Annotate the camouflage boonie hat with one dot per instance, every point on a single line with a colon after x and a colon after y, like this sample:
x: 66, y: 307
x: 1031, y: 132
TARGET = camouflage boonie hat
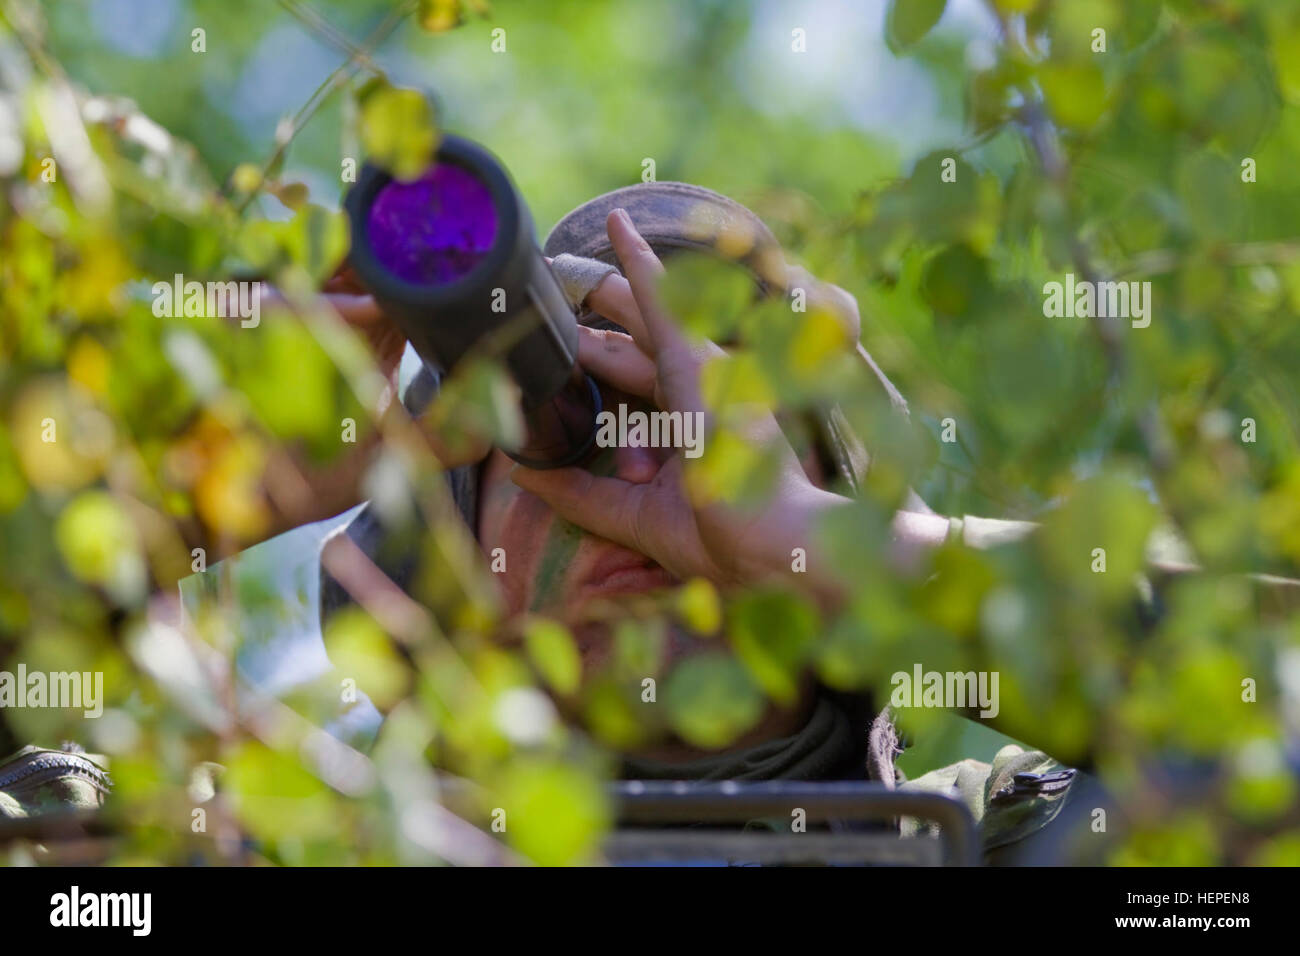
x: 673, y: 217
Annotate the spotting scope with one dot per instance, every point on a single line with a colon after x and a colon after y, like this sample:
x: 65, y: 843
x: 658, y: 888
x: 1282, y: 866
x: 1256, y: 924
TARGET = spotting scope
x: 450, y: 256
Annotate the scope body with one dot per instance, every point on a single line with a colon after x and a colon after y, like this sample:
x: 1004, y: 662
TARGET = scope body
x: 450, y: 256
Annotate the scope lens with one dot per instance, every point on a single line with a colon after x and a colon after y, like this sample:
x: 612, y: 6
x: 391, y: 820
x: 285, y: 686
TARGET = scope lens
x: 435, y: 229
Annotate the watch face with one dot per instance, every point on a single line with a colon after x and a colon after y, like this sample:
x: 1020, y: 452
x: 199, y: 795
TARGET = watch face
x: 435, y: 229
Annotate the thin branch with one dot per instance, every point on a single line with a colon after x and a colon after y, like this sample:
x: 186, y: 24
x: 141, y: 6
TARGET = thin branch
x: 332, y: 84
x: 311, y: 18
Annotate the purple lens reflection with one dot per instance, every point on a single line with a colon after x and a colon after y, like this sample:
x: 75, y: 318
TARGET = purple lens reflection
x: 435, y: 229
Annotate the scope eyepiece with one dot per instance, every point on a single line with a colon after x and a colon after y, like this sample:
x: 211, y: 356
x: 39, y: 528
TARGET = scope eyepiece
x: 434, y: 230
x: 451, y: 257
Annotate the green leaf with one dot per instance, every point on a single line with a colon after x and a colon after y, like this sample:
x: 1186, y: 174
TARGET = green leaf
x: 772, y: 634
x: 909, y: 20
x: 477, y: 401
x: 554, y: 814
x: 697, y: 604
x: 1105, y: 522
x: 276, y: 797
x: 712, y: 700
x: 707, y: 295
x: 551, y: 648
x: 1075, y: 93
x: 360, y: 651
x: 315, y: 240
x: 288, y: 380
x: 397, y: 129
x: 99, y: 543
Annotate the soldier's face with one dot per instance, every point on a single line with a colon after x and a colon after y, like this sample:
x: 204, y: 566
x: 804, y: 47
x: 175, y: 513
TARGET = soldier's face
x: 555, y: 568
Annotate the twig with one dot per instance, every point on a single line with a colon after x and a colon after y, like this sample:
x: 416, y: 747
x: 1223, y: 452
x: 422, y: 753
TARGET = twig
x: 341, y: 76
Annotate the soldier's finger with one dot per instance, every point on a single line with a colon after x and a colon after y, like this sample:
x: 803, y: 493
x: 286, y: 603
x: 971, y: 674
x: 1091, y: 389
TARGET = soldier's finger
x: 614, y: 300
x: 615, y: 358
x: 643, y: 269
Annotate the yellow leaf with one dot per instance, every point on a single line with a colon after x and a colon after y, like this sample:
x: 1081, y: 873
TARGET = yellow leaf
x: 397, y: 129
x: 437, y: 16
x: 552, y: 650
x: 698, y: 605
x: 88, y: 365
x: 246, y: 177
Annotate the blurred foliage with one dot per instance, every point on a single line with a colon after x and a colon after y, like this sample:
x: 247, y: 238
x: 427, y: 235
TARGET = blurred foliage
x: 1123, y: 164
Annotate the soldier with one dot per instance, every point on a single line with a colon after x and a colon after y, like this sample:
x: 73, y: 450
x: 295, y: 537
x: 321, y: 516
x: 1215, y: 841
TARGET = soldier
x: 622, y: 524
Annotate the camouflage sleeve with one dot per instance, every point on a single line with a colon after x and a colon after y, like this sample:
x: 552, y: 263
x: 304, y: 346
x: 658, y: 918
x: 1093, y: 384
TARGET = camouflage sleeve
x: 35, y: 781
